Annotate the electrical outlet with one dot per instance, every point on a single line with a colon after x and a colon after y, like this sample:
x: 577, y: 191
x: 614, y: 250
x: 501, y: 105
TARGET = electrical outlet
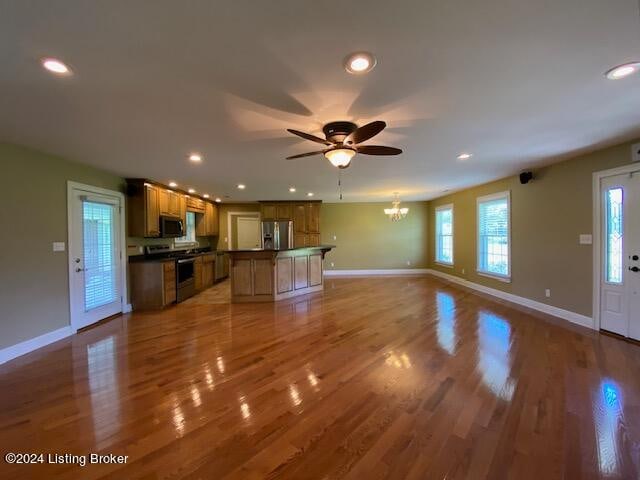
x: 333, y: 264
x: 408, y: 262
x: 335, y: 237
x: 547, y: 293
x: 464, y: 271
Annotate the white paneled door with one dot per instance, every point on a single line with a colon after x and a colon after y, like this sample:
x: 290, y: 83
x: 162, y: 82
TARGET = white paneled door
x: 620, y: 281
x: 95, y: 251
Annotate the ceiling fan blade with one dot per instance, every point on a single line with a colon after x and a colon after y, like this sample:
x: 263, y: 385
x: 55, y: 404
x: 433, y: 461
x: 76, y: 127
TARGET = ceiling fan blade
x: 378, y: 150
x: 365, y: 132
x: 308, y: 136
x: 308, y: 154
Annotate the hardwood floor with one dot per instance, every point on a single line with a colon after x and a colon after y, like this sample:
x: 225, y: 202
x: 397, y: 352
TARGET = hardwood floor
x: 401, y: 378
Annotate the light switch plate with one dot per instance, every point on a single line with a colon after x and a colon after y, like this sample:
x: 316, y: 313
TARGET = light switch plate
x: 586, y: 239
x: 58, y: 246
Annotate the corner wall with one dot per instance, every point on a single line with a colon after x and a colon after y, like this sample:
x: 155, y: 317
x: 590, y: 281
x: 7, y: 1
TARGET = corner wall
x: 547, y: 216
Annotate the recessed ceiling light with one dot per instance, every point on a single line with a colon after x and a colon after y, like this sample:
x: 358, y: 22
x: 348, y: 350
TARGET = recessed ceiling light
x: 292, y: 189
x: 621, y: 71
x: 206, y: 195
x: 56, y: 66
x: 360, y: 62
x: 310, y: 194
x: 465, y: 156
x: 195, y: 157
x: 218, y: 200
x: 173, y: 184
x: 241, y: 186
x: 191, y: 190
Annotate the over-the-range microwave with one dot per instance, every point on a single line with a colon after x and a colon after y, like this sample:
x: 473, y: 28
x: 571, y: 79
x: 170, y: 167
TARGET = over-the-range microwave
x: 171, y: 227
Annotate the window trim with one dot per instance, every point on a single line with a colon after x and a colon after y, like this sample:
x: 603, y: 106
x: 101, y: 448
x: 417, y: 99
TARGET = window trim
x: 447, y: 206
x: 487, y: 198
x: 177, y: 242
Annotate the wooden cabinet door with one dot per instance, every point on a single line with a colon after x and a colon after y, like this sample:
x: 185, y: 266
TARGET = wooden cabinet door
x: 313, y: 218
x: 300, y: 240
x: 268, y: 211
x: 313, y: 239
x: 215, y: 228
x: 197, y: 273
x: 182, y: 209
x: 284, y: 211
x: 174, y: 204
x: 152, y: 211
x: 169, y: 282
x: 163, y: 201
x: 299, y: 218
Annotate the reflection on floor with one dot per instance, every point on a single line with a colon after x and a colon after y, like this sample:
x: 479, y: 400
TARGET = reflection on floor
x: 399, y: 378
x: 219, y: 294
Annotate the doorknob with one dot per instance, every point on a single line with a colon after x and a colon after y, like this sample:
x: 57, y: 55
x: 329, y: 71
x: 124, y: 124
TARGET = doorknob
x: 634, y: 269
x: 77, y: 260
x: 634, y: 258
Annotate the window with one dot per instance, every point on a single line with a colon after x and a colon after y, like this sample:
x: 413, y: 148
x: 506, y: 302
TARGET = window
x: 494, y: 235
x: 614, y: 235
x: 444, y: 234
x: 189, y: 231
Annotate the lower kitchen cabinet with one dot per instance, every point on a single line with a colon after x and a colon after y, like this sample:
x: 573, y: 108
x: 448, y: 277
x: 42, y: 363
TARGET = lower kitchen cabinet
x: 153, y: 284
x: 198, y: 272
x: 208, y: 269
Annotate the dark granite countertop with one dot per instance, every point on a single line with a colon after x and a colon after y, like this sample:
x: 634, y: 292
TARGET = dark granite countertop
x: 258, y: 250
x: 172, y: 255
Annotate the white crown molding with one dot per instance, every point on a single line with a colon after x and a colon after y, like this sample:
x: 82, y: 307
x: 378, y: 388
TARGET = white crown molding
x: 366, y: 273
x: 568, y: 315
x: 19, y: 349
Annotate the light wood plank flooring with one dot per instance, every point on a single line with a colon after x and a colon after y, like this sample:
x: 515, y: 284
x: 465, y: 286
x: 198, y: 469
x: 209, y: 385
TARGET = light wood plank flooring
x: 399, y: 378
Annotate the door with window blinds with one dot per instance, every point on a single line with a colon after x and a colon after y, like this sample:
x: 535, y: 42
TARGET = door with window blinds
x: 96, y: 277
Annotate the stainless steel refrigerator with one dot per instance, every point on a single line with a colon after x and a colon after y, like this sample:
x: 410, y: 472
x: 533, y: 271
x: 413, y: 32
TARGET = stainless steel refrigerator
x: 277, y: 235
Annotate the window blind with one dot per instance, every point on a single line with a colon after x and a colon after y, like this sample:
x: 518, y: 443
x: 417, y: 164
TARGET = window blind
x: 190, y: 230
x: 99, y: 247
x: 493, y: 235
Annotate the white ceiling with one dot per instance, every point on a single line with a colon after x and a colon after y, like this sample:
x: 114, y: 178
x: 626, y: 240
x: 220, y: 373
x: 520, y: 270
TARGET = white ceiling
x: 516, y: 82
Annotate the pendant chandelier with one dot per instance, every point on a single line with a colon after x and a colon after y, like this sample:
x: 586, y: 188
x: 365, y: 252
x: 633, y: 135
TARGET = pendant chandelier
x: 396, y: 213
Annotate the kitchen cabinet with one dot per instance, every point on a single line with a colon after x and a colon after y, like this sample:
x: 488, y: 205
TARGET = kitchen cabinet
x: 143, y: 210
x: 169, y: 202
x: 207, y: 222
x: 198, y: 272
x: 299, y: 240
x: 195, y: 204
x: 269, y: 211
x: 312, y: 213
x: 152, y: 211
x: 182, y: 208
x: 313, y: 240
x: 284, y: 211
x: 153, y: 284
x: 208, y: 269
x: 299, y: 218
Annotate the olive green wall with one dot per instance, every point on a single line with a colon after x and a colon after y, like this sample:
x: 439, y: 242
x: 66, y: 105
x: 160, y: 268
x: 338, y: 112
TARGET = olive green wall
x: 367, y: 239
x: 34, y: 289
x: 547, y: 216
x: 224, y: 209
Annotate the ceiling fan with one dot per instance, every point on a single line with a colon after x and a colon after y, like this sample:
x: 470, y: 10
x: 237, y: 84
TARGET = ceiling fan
x: 343, y: 141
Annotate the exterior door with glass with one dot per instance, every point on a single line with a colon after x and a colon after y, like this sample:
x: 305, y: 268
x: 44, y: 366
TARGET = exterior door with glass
x: 94, y: 256
x: 620, y: 282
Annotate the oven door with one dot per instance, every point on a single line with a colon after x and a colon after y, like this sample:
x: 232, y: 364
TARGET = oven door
x: 171, y: 227
x: 186, y: 284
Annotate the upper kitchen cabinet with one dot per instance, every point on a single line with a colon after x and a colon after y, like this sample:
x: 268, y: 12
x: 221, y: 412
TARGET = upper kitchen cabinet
x: 169, y: 202
x: 269, y: 211
x: 313, y: 217
x: 195, y: 204
x: 143, y: 209
x: 284, y: 211
x: 207, y: 223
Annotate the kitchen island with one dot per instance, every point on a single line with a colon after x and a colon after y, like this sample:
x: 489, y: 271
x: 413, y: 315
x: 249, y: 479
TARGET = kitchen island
x: 261, y: 275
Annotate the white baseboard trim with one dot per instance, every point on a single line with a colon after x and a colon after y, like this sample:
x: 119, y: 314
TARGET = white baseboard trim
x: 572, y: 317
x: 9, y: 353
x: 387, y: 271
x: 127, y: 308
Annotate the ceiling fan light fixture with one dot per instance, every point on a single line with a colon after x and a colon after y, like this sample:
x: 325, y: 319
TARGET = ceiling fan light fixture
x: 359, y: 62
x: 622, y: 71
x: 340, y: 157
